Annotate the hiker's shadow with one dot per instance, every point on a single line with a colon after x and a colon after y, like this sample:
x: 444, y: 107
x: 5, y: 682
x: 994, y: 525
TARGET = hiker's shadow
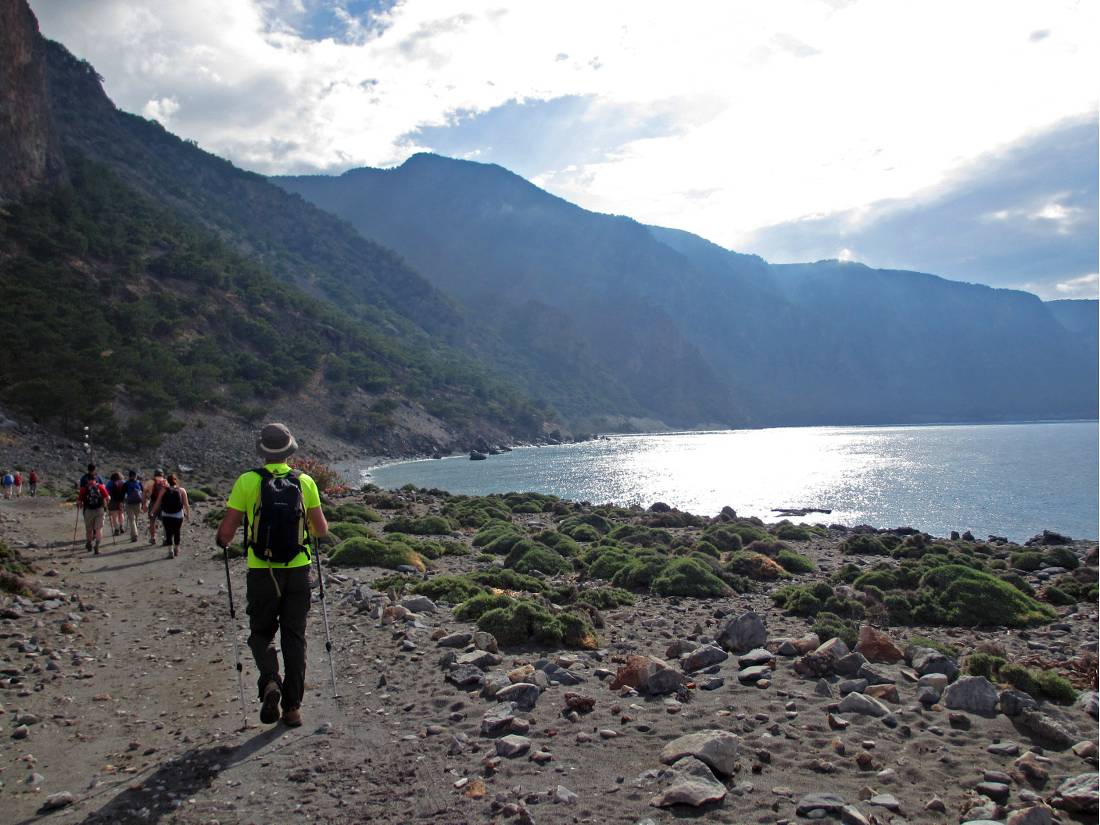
x: 187, y: 774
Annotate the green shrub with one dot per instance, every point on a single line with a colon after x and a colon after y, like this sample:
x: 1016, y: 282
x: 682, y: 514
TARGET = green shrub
x: 769, y: 547
x: 346, y: 529
x: 559, y: 543
x: 214, y: 518
x: 723, y: 535
x: 197, y: 496
x: 473, y: 608
x: 606, y: 598
x: 360, y: 551
x: 1026, y: 560
x: 707, y: 549
x: 527, y: 556
x: 899, y: 610
x: 882, y: 578
x: 795, y: 562
x: 504, y: 579
x: 1061, y: 557
x: 477, y: 511
x: 640, y: 571
x: 640, y: 536
x: 236, y: 551
x: 449, y: 589
x: 573, y: 526
x: 830, y: 626
x: 1057, y: 596
x: 1055, y: 687
x: 688, y: 577
x: 608, y: 562
x: 863, y: 545
x: 793, y: 532
x: 797, y: 599
x: 980, y: 663
x: 966, y: 597
x: 523, y: 621
x: 357, y: 513
x: 844, y: 607
x: 1020, y: 678
x: 423, y: 526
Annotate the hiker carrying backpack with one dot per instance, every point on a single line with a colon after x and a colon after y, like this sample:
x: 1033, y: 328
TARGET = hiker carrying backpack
x: 134, y: 497
x: 277, y: 532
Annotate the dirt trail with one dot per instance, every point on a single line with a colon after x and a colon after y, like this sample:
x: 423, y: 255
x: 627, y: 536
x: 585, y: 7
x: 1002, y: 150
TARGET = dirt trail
x: 141, y: 720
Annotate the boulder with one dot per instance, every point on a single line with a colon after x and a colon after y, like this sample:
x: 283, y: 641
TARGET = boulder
x: 648, y: 675
x: 744, y: 633
x: 887, y: 693
x: 1078, y: 794
x: 1034, y: 815
x: 1089, y: 701
x: 690, y: 782
x: 866, y: 705
x: 1015, y: 702
x: 925, y: 660
x: 418, y: 604
x: 524, y: 694
x: 751, y: 675
x: 814, y: 665
x: 972, y: 693
x: 702, y: 657
x: 850, y: 664
x: 757, y: 656
x: 833, y: 647
x: 512, y: 746
x: 800, y: 646
x: 498, y: 720
x: 680, y: 647
x: 1046, y: 729
x: 877, y: 646
x: 873, y: 677
x: 717, y: 748
x: 460, y: 639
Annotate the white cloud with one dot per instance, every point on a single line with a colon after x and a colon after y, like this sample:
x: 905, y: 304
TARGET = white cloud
x: 775, y: 110
x: 1087, y: 286
x: 161, y: 109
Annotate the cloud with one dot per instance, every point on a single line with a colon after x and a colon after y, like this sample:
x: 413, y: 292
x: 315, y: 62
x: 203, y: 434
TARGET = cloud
x: 1023, y: 216
x: 161, y: 110
x: 775, y: 111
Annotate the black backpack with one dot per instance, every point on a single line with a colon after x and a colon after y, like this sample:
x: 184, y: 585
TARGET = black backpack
x: 171, y: 501
x: 93, y: 497
x: 277, y: 536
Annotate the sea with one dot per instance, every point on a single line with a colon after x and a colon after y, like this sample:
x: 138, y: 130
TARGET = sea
x: 1010, y: 480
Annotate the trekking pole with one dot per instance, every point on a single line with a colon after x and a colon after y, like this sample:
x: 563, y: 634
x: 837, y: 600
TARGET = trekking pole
x: 76, y: 521
x: 236, y: 649
x: 324, y: 615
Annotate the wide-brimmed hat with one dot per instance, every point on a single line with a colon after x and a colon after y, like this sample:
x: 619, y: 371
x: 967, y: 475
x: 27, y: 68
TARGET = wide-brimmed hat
x: 275, y: 443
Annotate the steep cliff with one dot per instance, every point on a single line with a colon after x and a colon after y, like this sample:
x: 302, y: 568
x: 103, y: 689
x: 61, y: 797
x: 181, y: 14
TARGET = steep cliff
x: 30, y: 154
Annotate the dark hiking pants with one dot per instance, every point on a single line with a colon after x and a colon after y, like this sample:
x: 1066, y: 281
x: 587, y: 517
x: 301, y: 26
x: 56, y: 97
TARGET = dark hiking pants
x: 284, y: 610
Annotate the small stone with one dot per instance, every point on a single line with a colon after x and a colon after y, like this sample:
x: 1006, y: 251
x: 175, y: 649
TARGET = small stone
x: 887, y: 693
x: 498, y: 720
x: 1078, y: 794
x: 750, y: 675
x: 1003, y: 748
x: 823, y: 688
x: 524, y: 695
x: 456, y: 640
x: 1015, y: 702
x: 58, y: 800
x: 1034, y: 815
x: 564, y: 796
x: 511, y: 746
x: 757, y: 656
x: 935, y: 805
x: 20, y: 732
x: 858, y: 703
x: 885, y: 800
x: 1046, y: 729
x: 996, y: 791
x: 703, y: 657
x: 878, y: 646
x: 1086, y: 750
x: 830, y: 803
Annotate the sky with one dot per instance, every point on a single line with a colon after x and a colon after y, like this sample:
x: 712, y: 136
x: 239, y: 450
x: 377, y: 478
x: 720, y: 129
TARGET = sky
x: 958, y: 138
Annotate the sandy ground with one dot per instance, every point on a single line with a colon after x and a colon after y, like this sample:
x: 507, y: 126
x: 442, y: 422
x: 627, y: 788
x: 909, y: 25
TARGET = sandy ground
x: 131, y: 685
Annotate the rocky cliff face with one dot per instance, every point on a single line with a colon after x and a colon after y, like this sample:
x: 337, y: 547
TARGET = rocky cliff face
x: 30, y: 154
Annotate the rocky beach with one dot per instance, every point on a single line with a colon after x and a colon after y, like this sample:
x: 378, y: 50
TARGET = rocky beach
x: 525, y: 659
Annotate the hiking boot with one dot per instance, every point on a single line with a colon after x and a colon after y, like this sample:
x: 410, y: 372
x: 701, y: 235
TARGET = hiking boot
x: 292, y: 718
x: 96, y: 550
x: 175, y: 550
x: 133, y: 539
x: 88, y: 546
x: 165, y: 543
x: 269, y: 711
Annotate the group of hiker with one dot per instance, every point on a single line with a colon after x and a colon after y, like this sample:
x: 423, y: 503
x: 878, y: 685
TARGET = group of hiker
x: 125, y: 500
x: 280, y: 510
x: 13, y: 483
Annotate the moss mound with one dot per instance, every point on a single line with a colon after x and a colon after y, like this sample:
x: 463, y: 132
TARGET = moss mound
x: 606, y: 598
x: 360, y: 551
x: 423, y: 526
x: 864, y: 545
x: 794, y: 562
x: 963, y: 596
x: 689, y: 577
x: 347, y: 529
x: 527, y: 556
x: 355, y: 513
x: 585, y: 526
x: 477, y: 511
x: 449, y: 589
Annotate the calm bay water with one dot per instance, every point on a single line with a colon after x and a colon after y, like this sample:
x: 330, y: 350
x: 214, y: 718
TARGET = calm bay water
x: 1011, y: 480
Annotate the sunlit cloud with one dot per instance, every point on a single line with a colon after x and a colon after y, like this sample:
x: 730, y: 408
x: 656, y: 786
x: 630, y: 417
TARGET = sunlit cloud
x: 774, y: 111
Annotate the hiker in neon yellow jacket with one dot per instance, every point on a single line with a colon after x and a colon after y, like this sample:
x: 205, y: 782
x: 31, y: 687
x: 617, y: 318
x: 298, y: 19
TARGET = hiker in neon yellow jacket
x: 278, y: 585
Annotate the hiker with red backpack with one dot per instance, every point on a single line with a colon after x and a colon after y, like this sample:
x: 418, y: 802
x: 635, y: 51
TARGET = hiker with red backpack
x: 92, y: 500
x: 173, y: 507
x: 283, y: 521
x: 32, y: 484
